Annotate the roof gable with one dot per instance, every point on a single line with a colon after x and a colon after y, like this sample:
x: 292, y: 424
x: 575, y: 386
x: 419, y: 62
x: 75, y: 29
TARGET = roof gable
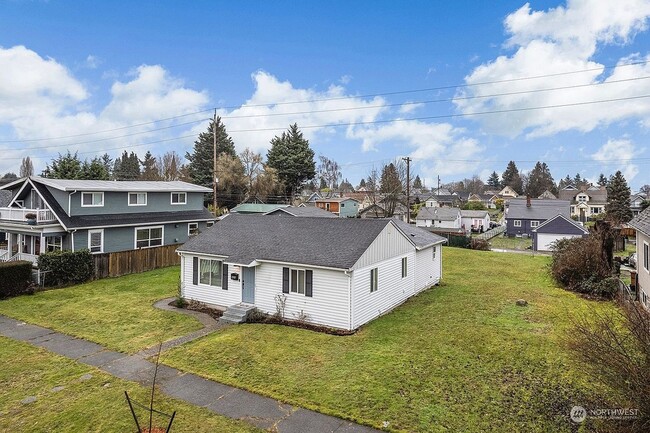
x: 562, y: 225
x: 538, y: 210
x: 641, y: 222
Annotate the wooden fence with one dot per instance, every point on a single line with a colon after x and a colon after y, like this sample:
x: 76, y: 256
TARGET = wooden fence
x: 135, y: 261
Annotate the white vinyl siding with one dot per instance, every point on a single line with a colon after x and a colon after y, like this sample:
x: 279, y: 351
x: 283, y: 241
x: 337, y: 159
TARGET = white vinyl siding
x: 428, y: 268
x: 544, y: 240
x: 96, y: 241
x: 405, y: 269
x: 389, y: 243
x: 146, y: 237
x: 92, y: 199
x: 137, y: 199
x: 207, y: 294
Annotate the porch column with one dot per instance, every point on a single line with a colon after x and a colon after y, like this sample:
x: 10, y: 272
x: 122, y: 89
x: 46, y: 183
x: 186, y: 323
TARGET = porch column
x: 42, y: 244
x: 8, y: 235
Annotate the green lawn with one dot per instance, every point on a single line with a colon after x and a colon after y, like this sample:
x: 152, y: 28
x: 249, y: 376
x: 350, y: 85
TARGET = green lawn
x: 459, y: 357
x: 115, y: 312
x: 506, y: 243
x: 94, y: 405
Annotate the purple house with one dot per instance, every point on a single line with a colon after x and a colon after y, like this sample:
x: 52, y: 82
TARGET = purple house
x: 525, y: 215
x: 554, y: 229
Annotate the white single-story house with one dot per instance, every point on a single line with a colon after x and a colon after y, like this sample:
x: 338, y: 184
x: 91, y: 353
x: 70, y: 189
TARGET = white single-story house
x: 338, y: 272
x: 439, y: 217
x: 641, y: 223
x: 554, y: 229
x: 475, y: 220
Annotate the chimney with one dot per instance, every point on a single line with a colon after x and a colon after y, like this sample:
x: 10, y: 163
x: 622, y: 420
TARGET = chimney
x: 528, y: 200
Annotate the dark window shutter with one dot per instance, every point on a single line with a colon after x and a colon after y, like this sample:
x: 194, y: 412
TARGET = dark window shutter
x: 195, y: 271
x: 224, y: 278
x: 309, y: 276
x: 285, y: 280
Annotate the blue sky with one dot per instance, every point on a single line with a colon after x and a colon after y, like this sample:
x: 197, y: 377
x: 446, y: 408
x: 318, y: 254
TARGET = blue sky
x: 376, y: 80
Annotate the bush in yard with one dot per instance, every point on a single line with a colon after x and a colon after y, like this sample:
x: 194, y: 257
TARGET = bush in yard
x: 66, y: 267
x: 480, y: 244
x: 579, y: 265
x: 15, y: 278
x: 616, y: 346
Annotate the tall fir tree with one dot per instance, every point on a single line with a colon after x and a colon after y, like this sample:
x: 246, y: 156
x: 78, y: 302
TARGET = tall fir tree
x: 417, y: 183
x: 540, y: 180
x: 127, y: 167
x: 201, y: 160
x: 618, y: 199
x: 94, y: 170
x: 602, y: 180
x: 108, y: 163
x: 149, y: 168
x: 362, y: 184
x: 512, y: 178
x: 66, y: 166
x: 493, y: 181
x: 565, y: 182
x: 293, y: 160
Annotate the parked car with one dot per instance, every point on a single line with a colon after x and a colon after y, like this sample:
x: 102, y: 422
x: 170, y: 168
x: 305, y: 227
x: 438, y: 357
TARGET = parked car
x: 494, y: 224
x: 632, y: 260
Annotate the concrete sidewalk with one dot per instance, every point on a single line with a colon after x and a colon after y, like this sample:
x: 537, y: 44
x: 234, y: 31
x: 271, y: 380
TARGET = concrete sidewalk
x: 224, y: 400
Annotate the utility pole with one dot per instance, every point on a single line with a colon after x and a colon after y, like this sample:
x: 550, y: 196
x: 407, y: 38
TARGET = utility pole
x: 438, y: 190
x: 214, y: 166
x: 408, y: 189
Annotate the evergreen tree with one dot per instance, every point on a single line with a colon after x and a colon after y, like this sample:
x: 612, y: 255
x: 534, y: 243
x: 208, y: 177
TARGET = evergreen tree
x: 346, y: 186
x: 579, y: 182
x: 149, y: 168
x: 108, y: 163
x: 94, y: 170
x: 565, y: 182
x: 602, y: 180
x: 323, y: 184
x: 66, y: 166
x: 362, y: 184
x: 292, y: 158
x: 618, y: 199
x: 417, y: 183
x: 26, y: 167
x: 493, y: 180
x: 512, y: 178
x: 9, y: 177
x: 201, y: 160
x: 127, y: 167
x: 540, y: 180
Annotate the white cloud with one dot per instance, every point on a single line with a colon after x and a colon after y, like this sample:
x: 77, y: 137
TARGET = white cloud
x: 409, y: 107
x: 92, y: 62
x: 553, y: 42
x: 618, y: 155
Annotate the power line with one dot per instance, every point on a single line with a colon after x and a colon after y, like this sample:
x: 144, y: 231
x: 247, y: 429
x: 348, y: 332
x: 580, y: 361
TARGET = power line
x: 370, y: 122
x: 447, y: 87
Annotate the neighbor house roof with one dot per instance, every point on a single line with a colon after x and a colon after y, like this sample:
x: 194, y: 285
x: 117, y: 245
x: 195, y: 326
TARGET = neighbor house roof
x: 438, y: 213
x: 473, y: 213
x: 538, y: 210
x: 336, y: 199
x: 421, y: 238
x: 597, y: 195
x: 546, y: 225
x: 302, y: 212
x: 641, y: 222
x: 119, y: 185
x: 5, y: 198
x: 328, y: 242
x: 256, y: 208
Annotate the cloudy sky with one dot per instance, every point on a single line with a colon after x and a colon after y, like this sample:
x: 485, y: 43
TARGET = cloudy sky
x: 461, y: 87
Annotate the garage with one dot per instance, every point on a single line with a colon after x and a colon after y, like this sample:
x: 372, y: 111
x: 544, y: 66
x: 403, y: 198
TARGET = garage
x: 554, y: 229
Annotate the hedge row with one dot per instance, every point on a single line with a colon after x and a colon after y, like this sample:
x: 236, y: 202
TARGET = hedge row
x: 15, y: 278
x: 66, y: 267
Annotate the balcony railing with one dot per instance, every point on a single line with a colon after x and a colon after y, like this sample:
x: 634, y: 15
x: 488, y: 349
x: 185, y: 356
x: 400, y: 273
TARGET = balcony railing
x: 17, y: 214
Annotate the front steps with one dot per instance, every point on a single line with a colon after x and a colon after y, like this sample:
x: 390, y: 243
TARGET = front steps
x: 237, y: 313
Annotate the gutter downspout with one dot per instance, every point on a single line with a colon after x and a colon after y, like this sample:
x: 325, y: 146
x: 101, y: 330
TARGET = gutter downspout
x: 351, y: 316
x: 72, y: 232
x: 70, y: 200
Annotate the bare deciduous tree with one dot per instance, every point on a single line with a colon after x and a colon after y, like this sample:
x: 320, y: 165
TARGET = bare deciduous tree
x: 329, y: 171
x: 169, y: 166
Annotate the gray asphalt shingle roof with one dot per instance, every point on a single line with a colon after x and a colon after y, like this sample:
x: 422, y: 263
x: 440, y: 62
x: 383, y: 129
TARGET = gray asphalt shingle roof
x: 438, y: 213
x: 119, y: 185
x: 473, y: 213
x: 331, y: 242
x: 539, y: 209
x: 5, y: 198
x: 641, y: 222
x: 420, y: 237
x: 303, y: 212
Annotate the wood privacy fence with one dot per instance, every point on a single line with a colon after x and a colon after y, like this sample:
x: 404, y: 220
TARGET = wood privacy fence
x: 135, y: 261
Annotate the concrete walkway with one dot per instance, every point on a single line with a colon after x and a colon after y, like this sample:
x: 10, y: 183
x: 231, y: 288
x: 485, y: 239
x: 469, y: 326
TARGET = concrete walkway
x: 228, y: 401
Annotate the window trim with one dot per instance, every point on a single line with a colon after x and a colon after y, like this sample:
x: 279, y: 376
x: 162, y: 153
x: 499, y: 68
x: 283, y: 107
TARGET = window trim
x: 374, y: 280
x: 405, y: 267
x: 101, y: 245
x: 56, y: 246
x: 92, y: 193
x: 646, y: 257
x: 298, y: 272
x: 128, y: 201
x: 516, y: 223
x: 179, y: 203
x: 534, y: 224
x: 209, y: 224
x: 219, y: 278
x: 435, y: 247
x: 135, y: 236
x: 189, y: 229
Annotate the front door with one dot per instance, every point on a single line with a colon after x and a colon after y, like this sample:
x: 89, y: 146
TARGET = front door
x: 248, y: 285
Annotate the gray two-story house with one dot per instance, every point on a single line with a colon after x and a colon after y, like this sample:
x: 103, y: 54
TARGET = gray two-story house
x: 523, y: 216
x: 103, y: 216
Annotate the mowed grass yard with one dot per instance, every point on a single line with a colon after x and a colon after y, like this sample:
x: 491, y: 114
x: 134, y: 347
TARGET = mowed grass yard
x: 116, y: 312
x: 94, y: 405
x: 459, y: 357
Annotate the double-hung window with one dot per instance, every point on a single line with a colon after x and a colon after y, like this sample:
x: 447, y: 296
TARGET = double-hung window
x: 534, y: 224
x: 92, y: 199
x: 434, y: 252
x: 192, y: 229
x: 297, y: 281
x: 516, y: 223
x: 210, y: 272
x: 146, y: 237
x: 54, y: 243
x: 96, y: 241
x: 137, y: 199
x: 374, y: 279
x: 179, y: 198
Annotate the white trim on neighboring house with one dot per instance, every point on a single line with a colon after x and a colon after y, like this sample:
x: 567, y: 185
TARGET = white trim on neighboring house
x: 646, y: 257
x: 101, y: 247
x: 92, y: 194
x: 189, y: 228
x: 534, y: 224
x: 139, y: 224
x: 135, y: 237
x: 178, y: 203
x: 516, y: 223
x: 137, y: 197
